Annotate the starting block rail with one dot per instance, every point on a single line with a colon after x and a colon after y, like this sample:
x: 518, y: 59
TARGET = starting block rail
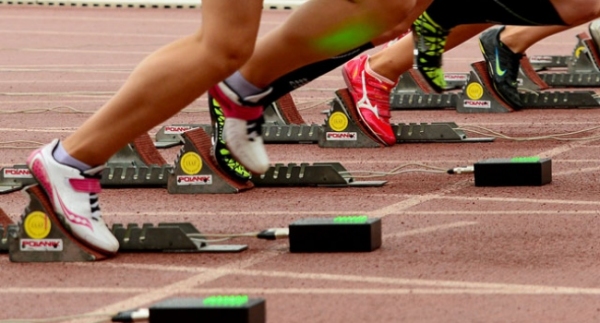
x: 195, y: 171
x: 479, y: 96
x: 40, y: 237
x: 341, y: 128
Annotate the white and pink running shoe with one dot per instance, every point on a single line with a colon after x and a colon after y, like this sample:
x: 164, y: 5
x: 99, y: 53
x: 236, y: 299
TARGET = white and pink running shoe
x: 74, y: 195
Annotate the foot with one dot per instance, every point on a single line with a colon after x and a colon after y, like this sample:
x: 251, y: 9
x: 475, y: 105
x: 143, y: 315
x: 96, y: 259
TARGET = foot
x: 430, y: 40
x: 74, y: 196
x: 242, y: 129
x: 219, y: 147
x: 372, y: 98
x: 503, y: 66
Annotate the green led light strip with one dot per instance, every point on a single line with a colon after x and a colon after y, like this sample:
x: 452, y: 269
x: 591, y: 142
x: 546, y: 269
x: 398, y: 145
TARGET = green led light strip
x: 351, y: 219
x: 531, y: 159
x: 225, y: 300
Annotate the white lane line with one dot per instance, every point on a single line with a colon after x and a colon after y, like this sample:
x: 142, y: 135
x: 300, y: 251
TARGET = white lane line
x: 416, y: 200
x: 314, y: 291
x: 394, y: 291
x: 430, y: 229
x: 184, y: 285
x: 74, y: 290
x: 510, y: 199
x: 524, y: 288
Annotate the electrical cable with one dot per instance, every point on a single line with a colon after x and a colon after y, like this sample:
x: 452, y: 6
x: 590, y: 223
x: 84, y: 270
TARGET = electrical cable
x: 60, y: 318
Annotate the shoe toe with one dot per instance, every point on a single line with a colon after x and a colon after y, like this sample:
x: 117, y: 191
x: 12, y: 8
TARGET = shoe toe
x: 380, y: 128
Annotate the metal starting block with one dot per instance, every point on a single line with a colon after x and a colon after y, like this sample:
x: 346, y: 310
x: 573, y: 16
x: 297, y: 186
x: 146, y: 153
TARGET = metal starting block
x: 582, y: 59
x: 479, y: 96
x: 140, y: 165
x: 195, y: 172
x: 14, y: 178
x: 283, y: 125
x: 166, y: 237
x: 343, y: 129
x: 413, y: 92
x: 41, y: 237
x: 582, y: 67
x: 317, y: 174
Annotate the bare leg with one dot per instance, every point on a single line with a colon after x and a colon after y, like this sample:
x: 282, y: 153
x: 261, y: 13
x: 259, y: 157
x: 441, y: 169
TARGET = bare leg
x: 520, y: 38
x: 170, y: 79
x: 398, y: 58
x: 297, y: 43
x: 577, y: 12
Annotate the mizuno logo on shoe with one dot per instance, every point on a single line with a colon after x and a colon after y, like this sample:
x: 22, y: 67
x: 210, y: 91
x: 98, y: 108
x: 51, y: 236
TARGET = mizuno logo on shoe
x: 499, y: 70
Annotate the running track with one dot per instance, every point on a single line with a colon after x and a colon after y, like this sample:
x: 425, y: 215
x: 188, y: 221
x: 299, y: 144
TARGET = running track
x: 452, y: 252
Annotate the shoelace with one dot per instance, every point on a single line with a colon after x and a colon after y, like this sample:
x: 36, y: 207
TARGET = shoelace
x: 95, y: 206
x: 254, y: 128
x: 94, y: 201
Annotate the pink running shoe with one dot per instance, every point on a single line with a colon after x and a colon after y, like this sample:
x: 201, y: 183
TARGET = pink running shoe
x: 242, y: 130
x: 74, y: 195
x: 372, y: 98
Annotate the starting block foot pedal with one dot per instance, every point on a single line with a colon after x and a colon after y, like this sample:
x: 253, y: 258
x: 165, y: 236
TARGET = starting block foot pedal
x: 518, y: 171
x: 195, y: 170
x: 226, y: 308
x: 342, y: 128
x: 41, y: 237
x: 340, y: 234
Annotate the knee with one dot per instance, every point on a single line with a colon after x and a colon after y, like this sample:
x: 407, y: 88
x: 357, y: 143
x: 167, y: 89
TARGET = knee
x: 571, y: 13
x: 228, y: 56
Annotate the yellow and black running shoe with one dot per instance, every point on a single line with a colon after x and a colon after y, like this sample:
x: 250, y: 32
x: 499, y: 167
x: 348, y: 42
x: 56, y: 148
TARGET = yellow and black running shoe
x: 220, y: 152
x: 430, y: 40
x: 503, y: 66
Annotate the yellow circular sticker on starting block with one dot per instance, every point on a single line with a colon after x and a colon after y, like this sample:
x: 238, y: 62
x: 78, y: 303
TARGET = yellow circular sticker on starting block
x: 578, y: 51
x: 191, y: 163
x: 474, y: 91
x: 338, y: 121
x: 37, y: 225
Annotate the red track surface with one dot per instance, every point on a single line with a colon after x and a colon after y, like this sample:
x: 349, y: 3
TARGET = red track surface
x: 452, y: 252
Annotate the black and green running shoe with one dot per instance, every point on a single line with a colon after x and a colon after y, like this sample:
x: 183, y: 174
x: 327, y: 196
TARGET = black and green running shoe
x: 430, y: 40
x: 219, y: 149
x: 503, y: 66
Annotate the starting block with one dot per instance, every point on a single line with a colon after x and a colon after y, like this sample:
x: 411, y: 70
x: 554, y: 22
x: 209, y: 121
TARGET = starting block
x: 140, y: 165
x: 343, y: 129
x: 583, y: 58
x: 196, y: 172
x: 14, y: 178
x: 479, y: 96
x: 583, y: 67
x: 41, y: 237
x: 283, y: 125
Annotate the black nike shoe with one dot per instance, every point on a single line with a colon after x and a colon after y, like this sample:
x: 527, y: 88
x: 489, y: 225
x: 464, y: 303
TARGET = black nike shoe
x: 219, y: 149
x: 503, y: 66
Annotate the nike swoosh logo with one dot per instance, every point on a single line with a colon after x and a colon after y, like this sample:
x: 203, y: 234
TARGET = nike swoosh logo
x: 499, y: 70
